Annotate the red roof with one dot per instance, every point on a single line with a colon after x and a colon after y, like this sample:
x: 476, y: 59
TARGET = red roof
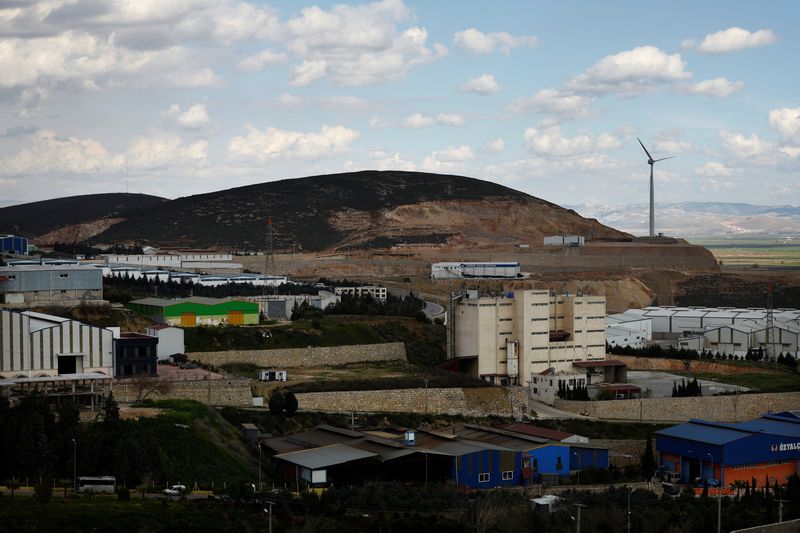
x: 593, y: 364
x: 536, y: 431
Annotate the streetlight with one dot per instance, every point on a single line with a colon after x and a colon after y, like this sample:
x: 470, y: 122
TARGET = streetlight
x: 259, y: 472
x: 75, y: 466
x: 576, y: 454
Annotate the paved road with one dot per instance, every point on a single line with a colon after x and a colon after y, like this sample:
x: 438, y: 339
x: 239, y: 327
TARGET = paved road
x: 432, y: 309
x: 545, y: 411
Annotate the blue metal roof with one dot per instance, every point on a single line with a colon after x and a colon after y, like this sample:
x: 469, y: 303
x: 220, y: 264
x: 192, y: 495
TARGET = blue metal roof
x: 772, y: 426
x: 706, y: 432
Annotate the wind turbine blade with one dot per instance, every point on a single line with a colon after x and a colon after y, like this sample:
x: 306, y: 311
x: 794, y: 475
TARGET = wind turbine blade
x: 663, y: 158
x: 643, y: 148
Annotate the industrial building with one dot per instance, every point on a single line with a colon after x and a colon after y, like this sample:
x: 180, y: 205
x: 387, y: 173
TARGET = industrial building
x: 13, y: 245
x: 458, y: 270
x: 766, y: 449
x: 564, y: 240
x: 40, y: 285
x: 170, y: 340
x: 197, y: 311
x: 471, y: 456
x: 728, y: 330
x: 511, y: 338
x: 378, y: 293
x: 280, y: 306
x: 177, y: 259
x: 135, y: 355
x: 35, y: 345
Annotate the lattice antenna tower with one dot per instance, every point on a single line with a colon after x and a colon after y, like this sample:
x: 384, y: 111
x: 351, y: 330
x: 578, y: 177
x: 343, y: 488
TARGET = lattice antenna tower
x: 770, y: 348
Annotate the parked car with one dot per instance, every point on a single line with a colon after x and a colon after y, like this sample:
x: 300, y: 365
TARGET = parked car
x: 188, y: 366
x: 175, y: 490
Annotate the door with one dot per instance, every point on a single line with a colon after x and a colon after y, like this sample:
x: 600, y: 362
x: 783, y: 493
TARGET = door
x: 236, y: 318
x: 188, y: 320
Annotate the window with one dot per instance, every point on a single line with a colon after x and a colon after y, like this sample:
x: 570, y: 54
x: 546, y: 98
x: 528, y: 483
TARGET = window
x: 559, y: 464
x: 508, y: 474
x: 483, y: 478
x: 535, y: 464
x: 63, y: 275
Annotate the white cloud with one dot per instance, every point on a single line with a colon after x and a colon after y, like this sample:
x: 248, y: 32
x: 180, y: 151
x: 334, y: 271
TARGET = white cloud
x: 450, y: 119
x: 48, y: 153
x: 345, y: 102
x: 454, y: 154
x: 31, y: 101
x: 553, y: 102
x: 713, y: 169
x: 378, y: 122
x: 417, y: 120
x: 720, y: 87
x: 493, y: 147
x: 357, y: 45
x: 738, y: 145
x: 289, y: 100
x: 195, y: 117
x: 476, y: 42
x: 261, y: 146
x: 735, y: 39
x: 382, y: 160
x: 630, y: 72
x: 671, y: 145
x: 483, y: 85
x: 550, y: 142
x: 259, y: 61
x: 786, y: 121
x: 162, y: 150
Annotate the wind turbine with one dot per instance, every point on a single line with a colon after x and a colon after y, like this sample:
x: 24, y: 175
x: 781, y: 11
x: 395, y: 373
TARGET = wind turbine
x: 651, y: 162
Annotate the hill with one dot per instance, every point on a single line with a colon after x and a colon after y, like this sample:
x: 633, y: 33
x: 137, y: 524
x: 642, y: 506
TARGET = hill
x: 359, y: 210
x: 37, y: 219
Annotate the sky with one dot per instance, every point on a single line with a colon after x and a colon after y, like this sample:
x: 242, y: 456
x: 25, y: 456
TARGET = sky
x: 180, y: 97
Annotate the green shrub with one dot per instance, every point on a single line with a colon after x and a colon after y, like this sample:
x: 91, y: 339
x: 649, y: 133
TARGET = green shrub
x: 43, y: 492
x: 123, y: 494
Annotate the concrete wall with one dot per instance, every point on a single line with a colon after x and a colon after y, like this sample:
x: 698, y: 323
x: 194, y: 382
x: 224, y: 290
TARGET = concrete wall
x: 733, y: 408
x: 306, y: 357
x: 478, y: 402
x: 669, y: 365
x: 223, y: 392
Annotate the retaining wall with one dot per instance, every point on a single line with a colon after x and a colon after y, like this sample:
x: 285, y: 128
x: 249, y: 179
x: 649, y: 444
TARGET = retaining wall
x: 478, y: 402
x: 222, y: 392
x: 732, y: 408
x: 671, y: 365
x: 312, y: 356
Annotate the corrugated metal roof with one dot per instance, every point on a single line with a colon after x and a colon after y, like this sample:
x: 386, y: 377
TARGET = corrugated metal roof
x: 706, y: 432
x: 785, y: 427
x: 325, y: 456
x: 536, y: 431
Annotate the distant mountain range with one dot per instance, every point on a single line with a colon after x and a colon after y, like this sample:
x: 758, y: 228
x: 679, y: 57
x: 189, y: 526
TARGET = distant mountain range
x: 699, y: 219
x: 338, y: 212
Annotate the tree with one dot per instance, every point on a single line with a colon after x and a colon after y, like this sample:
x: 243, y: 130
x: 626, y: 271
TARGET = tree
x: 648, y: 459
x: 13, y: 485
x: 277, y: 403
x: 290, y: 401
x: 65, y: 484
x: 43, y: 492
x: 109, y: 411
x: 143, y: 386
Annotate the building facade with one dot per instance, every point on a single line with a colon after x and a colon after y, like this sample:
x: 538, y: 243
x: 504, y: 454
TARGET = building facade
x: 135, y: 355
x: 170, y: 340
x: 197, y: 311
x: 38, y: 345
x: 32, y: 285
x: 457, y: 270
x: 13, y: 245
x: 378, y: 293
x: 513, y: 337
x: 765, y: 449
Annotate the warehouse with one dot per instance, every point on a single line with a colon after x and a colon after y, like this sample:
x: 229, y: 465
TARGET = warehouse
x: 766, y: 449
x: 39, y: 345
x: 457, y: 270
x: 12, y: 244
x: 197, y: 311
x: 37, y: 284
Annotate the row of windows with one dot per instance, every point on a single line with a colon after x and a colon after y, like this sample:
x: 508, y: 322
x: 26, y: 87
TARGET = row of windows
x: 540, y: 332
x: 595, y: 330
x: 599, y: 317
x: 538, y: 305
x: 485, y: 477
x: 505, y: 319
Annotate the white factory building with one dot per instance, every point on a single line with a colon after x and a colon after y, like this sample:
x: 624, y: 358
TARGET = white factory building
x: 176, y: 260
x: 458, y: 270
x: 36, y: 345
x: 727, y: 330
x: 378, y: 293
x: 510, y: 339
x: 564, y: 240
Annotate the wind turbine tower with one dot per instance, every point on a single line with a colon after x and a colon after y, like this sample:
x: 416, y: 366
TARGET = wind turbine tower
x: 651, y: 162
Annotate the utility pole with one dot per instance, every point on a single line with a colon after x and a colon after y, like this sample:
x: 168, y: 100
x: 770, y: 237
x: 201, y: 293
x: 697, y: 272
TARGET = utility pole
x: 629, y: 509
x: 780, y: 510
x: 426, y: 396
x: 578, y: 521
x: 719, y: 509
x: 259, y: 467
x: 75, y: 466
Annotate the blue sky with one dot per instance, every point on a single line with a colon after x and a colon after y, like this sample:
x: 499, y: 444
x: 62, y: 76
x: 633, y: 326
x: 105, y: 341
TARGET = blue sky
x: 191, y: 96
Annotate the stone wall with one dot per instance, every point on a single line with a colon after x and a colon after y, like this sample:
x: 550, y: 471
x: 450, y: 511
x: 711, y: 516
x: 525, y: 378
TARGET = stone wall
x: 478, y: 402
x: 312, y: 356
x: 223, y: 392
x: 671, y: 365
x: 733, y: 408
x: 623, y: 452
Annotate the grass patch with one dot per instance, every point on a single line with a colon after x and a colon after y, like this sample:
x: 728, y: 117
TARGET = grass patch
x: 772, y: 382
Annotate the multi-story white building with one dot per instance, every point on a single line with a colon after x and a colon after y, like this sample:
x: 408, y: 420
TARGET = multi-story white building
x: 509, y: 339
x: 379, y: 293
x: 458, y: 270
